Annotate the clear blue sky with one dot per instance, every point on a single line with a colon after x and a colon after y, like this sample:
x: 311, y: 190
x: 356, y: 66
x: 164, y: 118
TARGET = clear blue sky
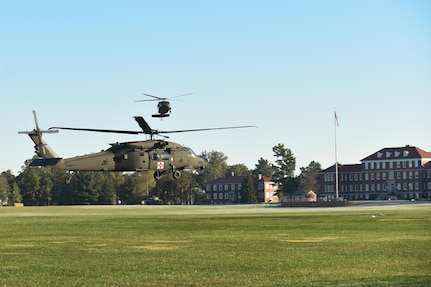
x: 280, y: 65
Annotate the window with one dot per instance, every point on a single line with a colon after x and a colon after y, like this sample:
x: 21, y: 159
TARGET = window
x: 366, y: 176
x: 208, y: 187
x: 215, y: 195
x: 416, y: 174
x: 377, y: 165
x: 191, y: 153
x: 220, y: 187
x: 391, y: 164
x: 398, y: 164
x: 384, y: 165
x: 226, y: 187
x: 232, y: 186
x: 404, y: 164
x: 371, y: 165
x: 165, y: 154
x: 384, y: 175
x: 366, y: 165
x: 214, y: 187
x: 226, y: 195
x: 220, y: 195
x: 239, y: 186
x: 208, y: 196
x: 260, y: 186
x: 410, y: 174
x: 372, y: 176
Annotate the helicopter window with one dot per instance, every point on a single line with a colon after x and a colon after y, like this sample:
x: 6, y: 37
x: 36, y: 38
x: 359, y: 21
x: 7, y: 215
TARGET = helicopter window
x: 165, y: 154
x: 191, y: 153
x: 155, y: 156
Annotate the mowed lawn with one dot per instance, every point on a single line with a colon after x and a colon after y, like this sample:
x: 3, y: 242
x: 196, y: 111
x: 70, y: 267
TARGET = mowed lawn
x: 215, y: 246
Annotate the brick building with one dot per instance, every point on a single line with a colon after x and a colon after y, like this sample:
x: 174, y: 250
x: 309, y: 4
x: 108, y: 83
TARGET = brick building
x: 390, y: 173
x: 227, y: 190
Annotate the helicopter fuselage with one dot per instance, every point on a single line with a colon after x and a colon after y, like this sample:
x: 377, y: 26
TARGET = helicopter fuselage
x: 158, y: 156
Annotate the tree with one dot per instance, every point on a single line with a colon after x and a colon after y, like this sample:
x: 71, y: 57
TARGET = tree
x: 136, y: 187
x: 15, y: 194
x: 84, y: 188
x: 309, y: 177
x: 4, y: 190
x: 284, y: 170
x: 285, y: 162
x: 216, y: 168
x: 29, y: 184
x: 248, y: 190
x: 264, y: 168
x: 238, y: 169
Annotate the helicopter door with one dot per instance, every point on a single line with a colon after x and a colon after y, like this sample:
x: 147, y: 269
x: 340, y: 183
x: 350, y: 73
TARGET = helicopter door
x: 127, y: 161
x: 160, y: 160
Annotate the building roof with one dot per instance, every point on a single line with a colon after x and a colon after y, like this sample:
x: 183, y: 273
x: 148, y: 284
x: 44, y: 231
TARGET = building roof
x: 227, y: 180
x: 237, y: 179
x: 344, y: 168
x: 406, y: 152
x: 264, y: 178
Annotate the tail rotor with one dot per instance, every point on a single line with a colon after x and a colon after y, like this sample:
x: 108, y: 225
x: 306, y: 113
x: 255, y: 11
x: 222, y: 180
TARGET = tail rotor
x: 41, y: 147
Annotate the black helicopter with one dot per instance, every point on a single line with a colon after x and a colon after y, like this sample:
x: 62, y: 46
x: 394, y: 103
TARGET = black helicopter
x: 158, y: 155
x: 163, y: 106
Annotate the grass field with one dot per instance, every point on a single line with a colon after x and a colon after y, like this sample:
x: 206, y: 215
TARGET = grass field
x: 215, y: 246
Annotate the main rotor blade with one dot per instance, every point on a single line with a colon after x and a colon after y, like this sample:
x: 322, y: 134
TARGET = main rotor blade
x: 98, y: 130
x: 206, y: 129
x: 155, y: 98
x: 180, y: 96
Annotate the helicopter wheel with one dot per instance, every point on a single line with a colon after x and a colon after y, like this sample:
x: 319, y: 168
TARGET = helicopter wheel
x: 158, y: 175
x: 176, y: 174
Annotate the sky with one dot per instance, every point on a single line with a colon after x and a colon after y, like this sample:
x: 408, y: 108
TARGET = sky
x: 283, y: 66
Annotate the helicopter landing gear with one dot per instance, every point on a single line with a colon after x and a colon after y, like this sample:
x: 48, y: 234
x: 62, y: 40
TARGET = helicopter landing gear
x: 69, y: 179
x: 176, y: 174
x: 158, y: 175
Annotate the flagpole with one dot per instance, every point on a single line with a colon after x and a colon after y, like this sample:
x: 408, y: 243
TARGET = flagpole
x: 336, y: 159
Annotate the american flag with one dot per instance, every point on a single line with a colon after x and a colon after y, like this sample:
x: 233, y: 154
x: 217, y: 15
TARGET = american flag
x: 336, y: 118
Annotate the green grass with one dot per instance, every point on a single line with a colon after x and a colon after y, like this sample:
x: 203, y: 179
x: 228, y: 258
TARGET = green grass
x: 215, y: 246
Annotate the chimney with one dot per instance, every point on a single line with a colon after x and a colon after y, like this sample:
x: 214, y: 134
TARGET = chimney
x: 260, y: 176
x: 232, y: 173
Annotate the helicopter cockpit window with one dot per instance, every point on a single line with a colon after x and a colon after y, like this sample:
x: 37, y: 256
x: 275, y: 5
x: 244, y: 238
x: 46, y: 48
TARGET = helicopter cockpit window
x: 191, y: 153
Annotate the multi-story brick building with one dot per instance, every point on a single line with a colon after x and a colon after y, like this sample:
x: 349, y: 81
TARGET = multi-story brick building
x: 227, y: 190
x: 390, y: 173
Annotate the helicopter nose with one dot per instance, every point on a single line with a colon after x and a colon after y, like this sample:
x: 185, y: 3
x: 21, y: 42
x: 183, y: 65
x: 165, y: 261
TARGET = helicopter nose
x: 202, y: 163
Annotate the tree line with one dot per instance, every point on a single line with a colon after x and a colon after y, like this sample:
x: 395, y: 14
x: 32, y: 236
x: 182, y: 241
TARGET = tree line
x: 43, y: 186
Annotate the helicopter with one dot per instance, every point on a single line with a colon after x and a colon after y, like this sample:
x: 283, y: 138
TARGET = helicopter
x: 163, y: 106
x: 158, y: 155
